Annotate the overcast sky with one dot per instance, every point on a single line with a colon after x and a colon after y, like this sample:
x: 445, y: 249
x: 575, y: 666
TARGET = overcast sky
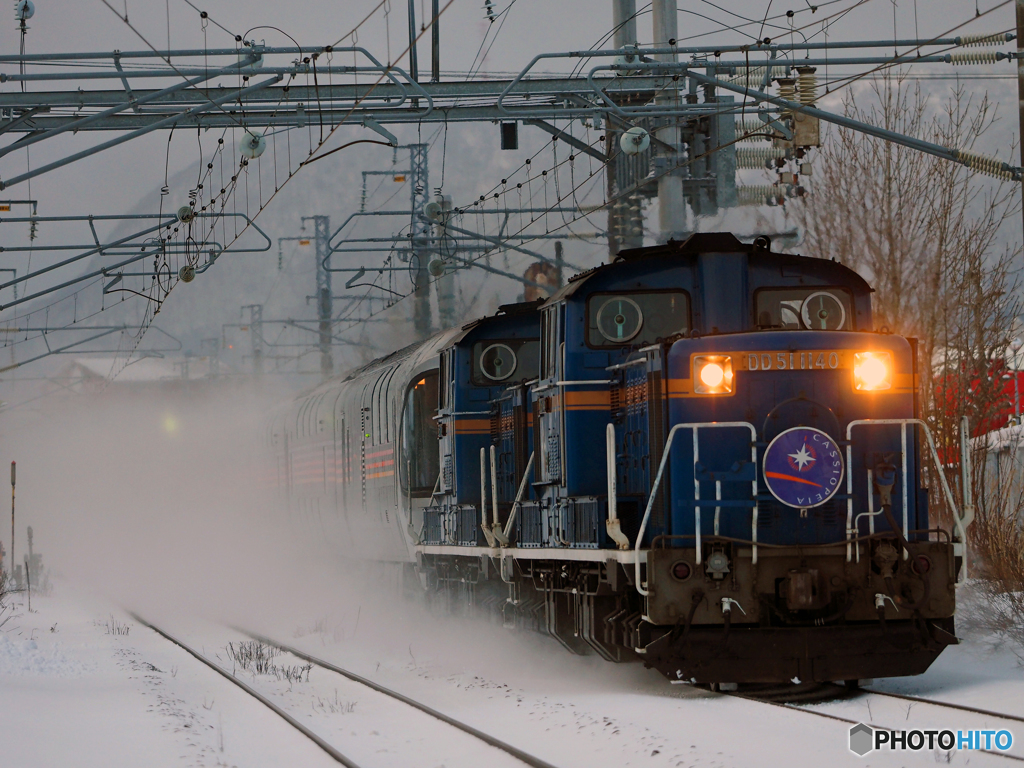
x: 130, y: 176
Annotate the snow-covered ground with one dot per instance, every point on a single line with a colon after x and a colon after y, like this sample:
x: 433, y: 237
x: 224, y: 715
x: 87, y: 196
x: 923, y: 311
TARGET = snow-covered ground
x: 83, y: 684
x: 134, y: 515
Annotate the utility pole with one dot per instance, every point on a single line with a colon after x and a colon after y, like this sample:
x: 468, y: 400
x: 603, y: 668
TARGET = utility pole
x: 414, y: 67
x: 435, y: 42
x: 559, y: 263
x: 419, y: 231
x: 256, y: 336
x: 671, y: 204
x: 625, y: 217
x: 12, y: 516
x: 324, y: 300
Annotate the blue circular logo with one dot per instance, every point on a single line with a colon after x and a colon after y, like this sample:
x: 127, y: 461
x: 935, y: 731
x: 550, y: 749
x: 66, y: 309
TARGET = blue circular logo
x: 803, y: 467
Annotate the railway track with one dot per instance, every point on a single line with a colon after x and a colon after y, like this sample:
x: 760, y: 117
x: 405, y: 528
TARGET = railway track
x: 823, y: 693
x: 327, y: 747
x: 945, y: 705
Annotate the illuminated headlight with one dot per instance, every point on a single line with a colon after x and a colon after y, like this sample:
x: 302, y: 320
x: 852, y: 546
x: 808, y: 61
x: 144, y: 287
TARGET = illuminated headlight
x: 712, y: 375
x: 872, y: 371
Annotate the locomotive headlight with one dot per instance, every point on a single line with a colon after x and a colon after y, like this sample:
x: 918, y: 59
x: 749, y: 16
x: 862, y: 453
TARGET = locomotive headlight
x: 712, y: 374
x: 872, y: 371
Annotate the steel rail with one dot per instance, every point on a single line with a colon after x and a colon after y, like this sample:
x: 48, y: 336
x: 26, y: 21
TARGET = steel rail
x: 334, y: 753
x: 923, y: 700
x: 519, y: 754
x: 829, y: 716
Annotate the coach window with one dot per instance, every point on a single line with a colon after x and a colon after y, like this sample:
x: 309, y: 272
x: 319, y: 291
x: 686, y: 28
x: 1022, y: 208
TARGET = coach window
x: 420, y: 460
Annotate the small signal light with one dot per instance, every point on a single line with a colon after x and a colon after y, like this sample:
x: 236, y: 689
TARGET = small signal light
x: 681, y: 570
x: 921, y: 564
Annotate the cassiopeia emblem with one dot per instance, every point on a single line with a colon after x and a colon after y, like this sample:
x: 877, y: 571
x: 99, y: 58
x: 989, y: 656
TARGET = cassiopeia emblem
x: 803, y: 467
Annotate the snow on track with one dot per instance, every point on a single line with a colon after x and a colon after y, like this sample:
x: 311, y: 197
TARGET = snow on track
x: 83, y: 696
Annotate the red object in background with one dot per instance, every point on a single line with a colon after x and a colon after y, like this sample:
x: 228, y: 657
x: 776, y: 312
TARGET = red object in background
x: 948, y: 393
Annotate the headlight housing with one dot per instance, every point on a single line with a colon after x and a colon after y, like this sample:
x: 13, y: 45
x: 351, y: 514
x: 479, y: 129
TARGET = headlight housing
x: 712, y: 375
x: 872, y: 371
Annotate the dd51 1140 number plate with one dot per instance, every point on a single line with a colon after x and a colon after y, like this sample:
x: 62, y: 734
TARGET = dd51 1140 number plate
x: 799, y: 360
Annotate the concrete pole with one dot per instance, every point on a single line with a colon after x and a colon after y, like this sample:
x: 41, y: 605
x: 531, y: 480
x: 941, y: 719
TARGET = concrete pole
x: 624, y: 22
x: 621, y: 232
x: 13, y: 468
x: 324, y: 299
x: 671, y: 205
x: 414, y: 66
x: 435, y: 42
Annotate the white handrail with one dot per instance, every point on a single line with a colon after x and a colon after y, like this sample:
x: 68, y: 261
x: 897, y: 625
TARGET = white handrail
x: 661, y: 469
x: 612, y: 524
x: 483, y: 499
x: 519, y: 498
x: 958, y: 521
x: 496, y: 529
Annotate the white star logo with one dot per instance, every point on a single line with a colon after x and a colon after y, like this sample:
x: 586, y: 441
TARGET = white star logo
x: 802, y: 457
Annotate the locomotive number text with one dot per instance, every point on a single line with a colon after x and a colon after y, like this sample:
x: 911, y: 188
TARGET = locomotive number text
x: 802, y: 360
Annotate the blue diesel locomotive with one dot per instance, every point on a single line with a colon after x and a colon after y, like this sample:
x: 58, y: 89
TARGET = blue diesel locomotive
x: 701, y: 456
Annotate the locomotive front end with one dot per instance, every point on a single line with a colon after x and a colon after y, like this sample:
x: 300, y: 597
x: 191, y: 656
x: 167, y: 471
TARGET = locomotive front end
x: 788, y: 527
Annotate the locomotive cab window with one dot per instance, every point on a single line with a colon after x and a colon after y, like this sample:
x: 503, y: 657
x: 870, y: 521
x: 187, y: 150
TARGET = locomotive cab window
x: 420, y: 461
x: 814, y: 308
x: 505, y: 361
x: 636, y: 318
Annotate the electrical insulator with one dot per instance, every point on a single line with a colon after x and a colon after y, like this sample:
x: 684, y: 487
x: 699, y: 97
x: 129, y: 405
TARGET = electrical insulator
x: 185, y: 214
x: 760, y: 194
x: 758, y: 157
x: 988, y: 165
x: 807, y: 82
x: 787, y: 88
x: 751, y: 130
x: 972, y: 40
x: 252, y: 145
x: 488, y: 6
x: 187, y: 273
x: 629, y: 57
x: 977, y: 57
x: 635, y: 140
x: 245, y: 52
x: 748, y: 78
x: 24, y: 10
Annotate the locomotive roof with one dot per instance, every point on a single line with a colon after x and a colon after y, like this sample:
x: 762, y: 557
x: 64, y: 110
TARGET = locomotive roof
x: 504, y: 311
x: 711, y: 243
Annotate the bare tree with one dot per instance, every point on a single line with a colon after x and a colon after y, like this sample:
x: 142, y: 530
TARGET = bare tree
x: 929, y: 235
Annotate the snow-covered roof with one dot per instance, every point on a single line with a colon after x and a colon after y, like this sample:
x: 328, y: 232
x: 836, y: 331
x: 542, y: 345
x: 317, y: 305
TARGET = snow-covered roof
x: 140, y: 370
x: 1007, y: 438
